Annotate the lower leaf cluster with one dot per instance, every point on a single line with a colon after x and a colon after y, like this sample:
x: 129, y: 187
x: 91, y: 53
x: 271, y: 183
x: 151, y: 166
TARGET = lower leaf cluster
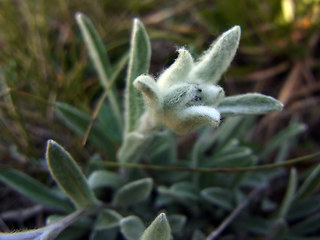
x: 190, y: 205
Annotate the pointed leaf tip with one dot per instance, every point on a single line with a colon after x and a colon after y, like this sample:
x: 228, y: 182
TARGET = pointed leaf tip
x: 99, y: 58
x: 136, y: 21
x: 178, y: 71
x: 232, y: 35
x: 217, y: 58
x: 236, y: 29
x: 247, y: 104
x: 159, y: 229
x: 78, y: 15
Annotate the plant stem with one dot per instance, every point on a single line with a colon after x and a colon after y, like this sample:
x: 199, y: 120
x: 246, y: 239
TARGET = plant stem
x: 51, y: 231
x: 210, y: 170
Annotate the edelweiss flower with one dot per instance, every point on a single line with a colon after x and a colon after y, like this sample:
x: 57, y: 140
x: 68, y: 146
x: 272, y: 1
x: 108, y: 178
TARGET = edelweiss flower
x: 186, y: 96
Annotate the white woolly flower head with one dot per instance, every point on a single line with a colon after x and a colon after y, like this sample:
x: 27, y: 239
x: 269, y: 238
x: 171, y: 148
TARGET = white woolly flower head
x: 186, y: 95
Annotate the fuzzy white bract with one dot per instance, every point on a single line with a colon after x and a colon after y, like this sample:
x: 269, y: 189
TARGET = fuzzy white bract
x: 185, y: 96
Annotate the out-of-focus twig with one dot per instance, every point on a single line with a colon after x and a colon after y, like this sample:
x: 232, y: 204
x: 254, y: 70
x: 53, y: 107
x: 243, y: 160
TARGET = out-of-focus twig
x: 253, y: 194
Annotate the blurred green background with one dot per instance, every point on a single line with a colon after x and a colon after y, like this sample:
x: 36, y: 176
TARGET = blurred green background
x: 43, y: 59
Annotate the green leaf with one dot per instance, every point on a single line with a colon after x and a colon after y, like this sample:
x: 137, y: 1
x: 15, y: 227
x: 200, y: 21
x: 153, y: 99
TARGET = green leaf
x: 234, y: 157
x: 186, y: 190
x: 99, y: 58
x: 102, y: 178
x: 73, y: 117
x: 285, y: 135
x: 69, y: 177
x: 177, y: 222
x: 255, y: 179
x: 218, y: 196
x: 309, y: 185
x: 219, y: 136
x: 268, y: 205
x: 107, y: 219
x: 133, y: 192
x: 107, y: 234
x: 289, y: 196
x: 277, y: 230
x: 95, y: 47
x: 307, y: 226
x: 304, y: 207
x: 159, y: 229
x: 108, y: 123
x: 217, y: 59
x: 79, y: 122
x: 33, y: 189
x: 182, y: 192
x: 198, y: 235
x: 139, y: 60
x: 253, y: 224
x: 294, y: 237
x: 132, y: 227
x: 248, y: 104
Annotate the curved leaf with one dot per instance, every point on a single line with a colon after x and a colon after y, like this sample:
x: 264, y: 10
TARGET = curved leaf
x: 177, y: 222
x: 102, y: 178
x: 107, y: 219
x: 218, y: 196
x: 32, y: 189
x: 132, y: 227
x: 133, y: 192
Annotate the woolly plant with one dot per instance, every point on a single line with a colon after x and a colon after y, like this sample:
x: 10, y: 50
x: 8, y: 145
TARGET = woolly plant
x: 194, y: 197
